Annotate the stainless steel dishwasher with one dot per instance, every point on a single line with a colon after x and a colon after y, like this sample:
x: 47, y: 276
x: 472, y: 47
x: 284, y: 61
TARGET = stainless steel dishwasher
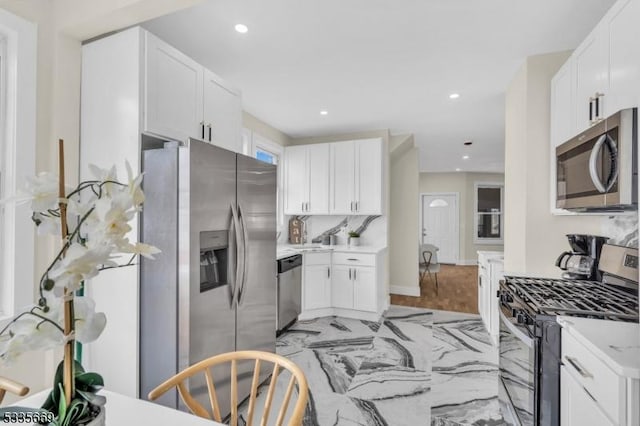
x: 289, y: 291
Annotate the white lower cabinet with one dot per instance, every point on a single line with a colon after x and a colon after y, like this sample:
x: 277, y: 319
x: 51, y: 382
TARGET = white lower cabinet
x: 578, y: 408
x: 342, y: 287
x: 490, y: 272
x: 344, y: 284
x: 317, y: 285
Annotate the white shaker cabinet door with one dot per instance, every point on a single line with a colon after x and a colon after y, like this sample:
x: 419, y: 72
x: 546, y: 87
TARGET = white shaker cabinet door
x: 342, y: 178
x: 317, y: 291
x: 577, y: 408
x: 624, y: 58
x: 590, y: 77
x: 318, y: 166
x: 563, y: 124
x: 173, y: 92
x: 296, y: 180
x: 364, y: 289
x: 222, y: 114
x: 368, y: 169
x: 342, y: 287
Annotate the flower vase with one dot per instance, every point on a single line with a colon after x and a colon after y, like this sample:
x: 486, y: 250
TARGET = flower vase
x: 354, y: 241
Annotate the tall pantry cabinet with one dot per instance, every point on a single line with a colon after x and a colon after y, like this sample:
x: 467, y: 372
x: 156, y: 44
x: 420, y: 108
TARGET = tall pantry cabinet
x: 137, y: 88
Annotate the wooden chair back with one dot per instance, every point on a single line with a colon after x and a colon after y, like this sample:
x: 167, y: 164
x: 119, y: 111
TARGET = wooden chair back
x: 8, y: 385
x: 297, y: 378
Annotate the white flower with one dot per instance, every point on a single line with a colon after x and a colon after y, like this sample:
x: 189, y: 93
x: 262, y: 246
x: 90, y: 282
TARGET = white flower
x: 89, y: 323
x: 137, y: 196
x: 145, y: 250
x: 42, y: 190
x: 80, y: 263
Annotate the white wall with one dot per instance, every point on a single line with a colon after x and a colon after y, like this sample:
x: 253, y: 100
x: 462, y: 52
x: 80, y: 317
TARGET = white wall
x: 533, y: 236
x: 464, y: 184
x: 258, y: 126
x: 62, y: 26
x: 403, y: 216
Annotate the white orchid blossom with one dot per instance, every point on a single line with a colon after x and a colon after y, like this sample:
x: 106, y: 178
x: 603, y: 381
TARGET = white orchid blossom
x: 98, y: 216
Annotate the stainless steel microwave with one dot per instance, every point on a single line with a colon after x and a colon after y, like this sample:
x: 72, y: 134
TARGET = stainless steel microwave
x: 598, y: 169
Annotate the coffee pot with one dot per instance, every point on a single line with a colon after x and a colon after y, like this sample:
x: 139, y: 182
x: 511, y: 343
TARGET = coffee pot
x: 582, y: 262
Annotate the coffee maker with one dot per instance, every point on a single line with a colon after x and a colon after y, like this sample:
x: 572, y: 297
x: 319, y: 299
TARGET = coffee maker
x: 582, y: 262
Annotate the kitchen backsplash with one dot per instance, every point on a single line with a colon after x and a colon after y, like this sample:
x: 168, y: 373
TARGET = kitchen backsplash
x: 622, y: 230
x: 374, y: 234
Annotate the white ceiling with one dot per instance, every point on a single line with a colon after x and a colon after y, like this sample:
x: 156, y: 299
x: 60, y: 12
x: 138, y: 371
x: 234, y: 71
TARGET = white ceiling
x: 377, y: 64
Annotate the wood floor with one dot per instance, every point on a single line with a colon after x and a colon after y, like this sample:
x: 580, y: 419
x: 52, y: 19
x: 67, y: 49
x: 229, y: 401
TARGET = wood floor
x: 457, y: 291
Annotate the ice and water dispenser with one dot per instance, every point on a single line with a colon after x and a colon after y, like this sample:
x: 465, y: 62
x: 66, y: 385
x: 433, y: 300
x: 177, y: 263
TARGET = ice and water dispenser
x: 214, y: 259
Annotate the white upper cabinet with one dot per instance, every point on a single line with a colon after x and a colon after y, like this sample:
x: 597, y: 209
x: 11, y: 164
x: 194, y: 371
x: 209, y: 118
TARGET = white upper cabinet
x: 295, y: 181
x: 563, y: 121
x: 222, y: 117
x: 590, y: 60
x: 307, y: 179
x: 182, y: 99
x: 356, y: 177
x: 342, y: 178
x: 623, y: 33
x: 318, y: 166
x: 368, y: 171
x: 173, y: 92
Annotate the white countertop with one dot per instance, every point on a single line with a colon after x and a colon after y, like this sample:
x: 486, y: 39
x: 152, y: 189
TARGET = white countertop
x: 124, y: 410
x: 284, y: 250
x: 616, y: 343
x: 492, y: 254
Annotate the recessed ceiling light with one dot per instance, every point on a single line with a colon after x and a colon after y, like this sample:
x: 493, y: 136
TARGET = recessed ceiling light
x: 454, y: 96
x: 465, y: 157
x: 457, y: 170
x: 324, y: 112
x: 241, y: 28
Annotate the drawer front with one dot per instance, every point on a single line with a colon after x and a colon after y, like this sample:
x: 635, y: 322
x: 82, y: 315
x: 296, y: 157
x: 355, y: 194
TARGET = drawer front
x: 354, y: 259
x: 317, y: 258
x: 605, y: 386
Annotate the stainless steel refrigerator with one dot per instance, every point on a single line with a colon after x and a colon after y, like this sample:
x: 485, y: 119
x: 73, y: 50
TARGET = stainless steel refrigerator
x: 212, y: 290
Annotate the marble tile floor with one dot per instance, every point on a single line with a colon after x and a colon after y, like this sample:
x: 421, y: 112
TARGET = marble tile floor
x: 413, y: 367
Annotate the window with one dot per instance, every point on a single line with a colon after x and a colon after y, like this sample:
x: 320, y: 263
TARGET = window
x: 488, y: 213
x: 18, y: 58
x: 270, y: 152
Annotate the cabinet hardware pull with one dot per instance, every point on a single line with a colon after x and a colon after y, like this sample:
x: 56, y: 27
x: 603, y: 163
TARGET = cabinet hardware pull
x: 575, y: 364
x: 202, y: 129
x: 357, y: 206
x: 349, y: 273
x: 308, y: 206
x: 209, y: 127
x: 597, y: 106
x: 355, y: 274
x: 352, y: 206
x: 352, y: 259
x: 328, y: 272
x: 302, y: 206
x: 590, y: 110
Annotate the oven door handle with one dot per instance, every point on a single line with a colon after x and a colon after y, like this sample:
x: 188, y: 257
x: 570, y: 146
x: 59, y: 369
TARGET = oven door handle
x: 516, y: 331
x: 593, y: 164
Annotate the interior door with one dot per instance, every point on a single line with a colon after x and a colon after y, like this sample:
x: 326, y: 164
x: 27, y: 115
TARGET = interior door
x: 222, y: 114
x: 440, y: 225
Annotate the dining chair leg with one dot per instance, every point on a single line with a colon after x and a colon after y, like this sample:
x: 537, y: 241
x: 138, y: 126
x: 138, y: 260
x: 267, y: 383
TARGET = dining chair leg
x: 436, y: 274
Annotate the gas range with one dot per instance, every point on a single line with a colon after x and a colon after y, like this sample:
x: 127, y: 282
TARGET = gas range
x: 529, y: 297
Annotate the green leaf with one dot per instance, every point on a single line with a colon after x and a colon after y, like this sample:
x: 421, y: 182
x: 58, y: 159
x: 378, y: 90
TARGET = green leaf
x: 91, y: 382
x: 62, y: 405
x: 77, y: 411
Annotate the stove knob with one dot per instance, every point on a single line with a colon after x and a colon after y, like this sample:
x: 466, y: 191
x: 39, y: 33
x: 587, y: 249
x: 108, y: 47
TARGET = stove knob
x: 522, y: 318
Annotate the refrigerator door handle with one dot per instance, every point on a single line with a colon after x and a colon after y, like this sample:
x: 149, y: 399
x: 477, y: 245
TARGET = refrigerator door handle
x: 245, y: 243
x: 239, y: 260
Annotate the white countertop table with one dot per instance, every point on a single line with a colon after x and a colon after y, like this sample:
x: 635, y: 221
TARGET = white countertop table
x: 616, y: 343
x: 123, y: 410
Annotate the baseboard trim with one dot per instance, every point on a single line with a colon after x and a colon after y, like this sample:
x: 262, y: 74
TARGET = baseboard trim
x: 405, y: 291
x: 468, y: 262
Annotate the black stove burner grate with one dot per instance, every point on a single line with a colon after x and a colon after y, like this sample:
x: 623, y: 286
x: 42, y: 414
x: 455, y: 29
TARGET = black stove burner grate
x: 578, y: 298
